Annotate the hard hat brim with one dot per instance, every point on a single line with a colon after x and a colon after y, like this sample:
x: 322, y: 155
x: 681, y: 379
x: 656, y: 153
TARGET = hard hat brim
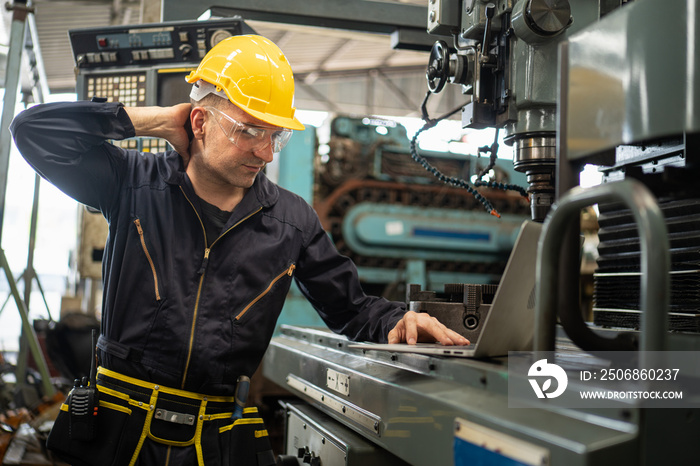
x: 274, y: 120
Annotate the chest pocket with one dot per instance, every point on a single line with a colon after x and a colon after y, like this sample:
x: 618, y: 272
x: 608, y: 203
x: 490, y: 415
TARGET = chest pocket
x: 149, y: 258
x: 249, y: 308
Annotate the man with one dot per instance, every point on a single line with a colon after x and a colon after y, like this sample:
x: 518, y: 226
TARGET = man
x: 201, y: 252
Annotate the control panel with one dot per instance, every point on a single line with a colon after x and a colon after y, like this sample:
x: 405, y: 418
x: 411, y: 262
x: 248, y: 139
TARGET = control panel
x: 141, y: 65
x: 151, y: 44
x: 127, y: 88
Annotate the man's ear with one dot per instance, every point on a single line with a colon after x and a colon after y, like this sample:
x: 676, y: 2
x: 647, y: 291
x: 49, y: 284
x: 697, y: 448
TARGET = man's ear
x: 197, y: 120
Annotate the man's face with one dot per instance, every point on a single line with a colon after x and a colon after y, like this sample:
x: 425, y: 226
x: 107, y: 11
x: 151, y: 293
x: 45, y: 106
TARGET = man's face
x: 224, y: 162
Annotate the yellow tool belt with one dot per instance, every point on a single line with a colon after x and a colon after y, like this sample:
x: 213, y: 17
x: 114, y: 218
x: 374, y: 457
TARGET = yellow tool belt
x: 132, y: 411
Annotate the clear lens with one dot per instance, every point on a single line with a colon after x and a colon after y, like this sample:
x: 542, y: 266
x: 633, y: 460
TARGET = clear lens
x: 249, y: 137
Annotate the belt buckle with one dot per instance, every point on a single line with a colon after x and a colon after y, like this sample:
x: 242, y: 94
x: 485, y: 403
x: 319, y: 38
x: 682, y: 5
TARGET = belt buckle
x: 176, y: 418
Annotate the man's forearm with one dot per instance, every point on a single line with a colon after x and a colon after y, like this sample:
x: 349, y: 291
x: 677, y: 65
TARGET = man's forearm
x: 162, y: 122
x: 150, y: 121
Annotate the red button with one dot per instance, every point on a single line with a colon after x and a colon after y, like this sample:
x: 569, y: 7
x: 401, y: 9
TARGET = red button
x: 102, y: 42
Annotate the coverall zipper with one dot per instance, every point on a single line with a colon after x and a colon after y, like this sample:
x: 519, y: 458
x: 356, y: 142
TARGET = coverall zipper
x: 289, y: 271
x: 202, y: 270
x: 137, y: 222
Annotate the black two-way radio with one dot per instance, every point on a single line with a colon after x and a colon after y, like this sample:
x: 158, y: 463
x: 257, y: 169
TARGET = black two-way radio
x: 84, y: 402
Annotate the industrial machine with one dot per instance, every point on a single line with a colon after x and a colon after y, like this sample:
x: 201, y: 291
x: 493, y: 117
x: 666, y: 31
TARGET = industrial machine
x: 402, y: 225
x: 610, y: 83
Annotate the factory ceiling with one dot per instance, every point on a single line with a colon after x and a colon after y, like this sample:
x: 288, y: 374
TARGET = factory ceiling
x: 350, y: 66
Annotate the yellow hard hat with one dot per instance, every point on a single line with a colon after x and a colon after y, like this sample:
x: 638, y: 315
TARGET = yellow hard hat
x: 256, y: 77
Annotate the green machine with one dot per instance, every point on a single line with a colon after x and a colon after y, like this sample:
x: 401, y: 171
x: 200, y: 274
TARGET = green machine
x: 398, y: 222
x: 609, y: 83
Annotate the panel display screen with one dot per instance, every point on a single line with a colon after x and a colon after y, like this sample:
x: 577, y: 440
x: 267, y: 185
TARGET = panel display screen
x: 172, y: 88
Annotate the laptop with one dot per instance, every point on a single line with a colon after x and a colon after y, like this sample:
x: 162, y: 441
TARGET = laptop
x: 510, y: 323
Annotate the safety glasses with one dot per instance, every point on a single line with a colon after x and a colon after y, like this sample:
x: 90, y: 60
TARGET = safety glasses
x: 249, y: 137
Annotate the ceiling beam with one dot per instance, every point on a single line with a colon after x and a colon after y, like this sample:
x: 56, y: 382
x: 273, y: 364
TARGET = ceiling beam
x: 320, y: 65
x: 320, y: 97
x: 284, y: 39
x: 355, y: 72
x: 357, y: 15
x: 396, y: 90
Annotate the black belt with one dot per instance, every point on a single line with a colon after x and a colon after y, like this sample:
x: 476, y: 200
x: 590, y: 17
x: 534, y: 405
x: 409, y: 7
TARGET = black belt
x: 143, y: 393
